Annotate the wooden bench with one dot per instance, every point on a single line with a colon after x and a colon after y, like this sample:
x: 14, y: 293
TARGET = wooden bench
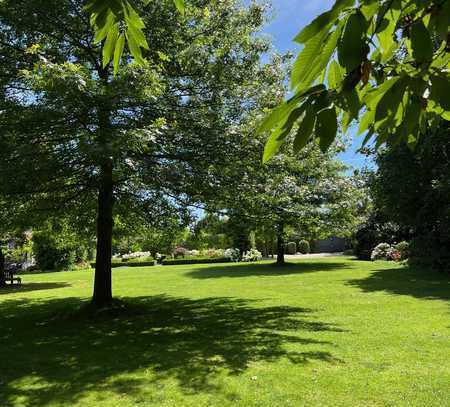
x: 9, y: 276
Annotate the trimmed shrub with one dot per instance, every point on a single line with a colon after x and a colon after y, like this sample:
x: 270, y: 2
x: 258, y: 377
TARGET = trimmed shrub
x: 138, y: 260
x: 403, y: 249
x: 291, y: 248
x: 348, y: 252
x: 174, y: 262
x: 116, y: 264
x: 303, y: 247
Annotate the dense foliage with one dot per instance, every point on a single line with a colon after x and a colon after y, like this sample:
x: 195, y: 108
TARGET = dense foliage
x: 386, y: 61
x: 57, y: 246
x: 412, y: 189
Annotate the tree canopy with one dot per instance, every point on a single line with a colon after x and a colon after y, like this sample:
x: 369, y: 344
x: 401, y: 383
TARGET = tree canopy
x: 77, y: 139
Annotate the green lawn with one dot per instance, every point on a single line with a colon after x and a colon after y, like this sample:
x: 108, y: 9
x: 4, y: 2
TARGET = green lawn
x: 331, y: 332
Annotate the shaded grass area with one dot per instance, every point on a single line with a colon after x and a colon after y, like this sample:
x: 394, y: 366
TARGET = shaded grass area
x: 265, y: 269
x: 412, y: 281
x: 314, y: 333
x: 175, y: 337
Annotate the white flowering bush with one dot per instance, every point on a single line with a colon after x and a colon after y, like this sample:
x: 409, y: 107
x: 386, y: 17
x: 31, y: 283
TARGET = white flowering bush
x: 135, y: 255
x: 232, y: 254
x: 381, y: 252
x: 384, y: 251
x: 252, y: 255
x: 193, y: 252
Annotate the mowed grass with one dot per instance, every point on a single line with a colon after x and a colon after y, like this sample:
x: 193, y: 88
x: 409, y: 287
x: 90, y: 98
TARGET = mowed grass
x: 324, y: 332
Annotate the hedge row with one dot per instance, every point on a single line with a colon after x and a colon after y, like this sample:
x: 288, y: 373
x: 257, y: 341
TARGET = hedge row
x: 130, y: 264
x: 172, y: 262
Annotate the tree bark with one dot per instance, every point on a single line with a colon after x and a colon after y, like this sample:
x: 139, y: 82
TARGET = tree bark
x: 280, y: 244
x: 102, y: 281
x: 2, y: 269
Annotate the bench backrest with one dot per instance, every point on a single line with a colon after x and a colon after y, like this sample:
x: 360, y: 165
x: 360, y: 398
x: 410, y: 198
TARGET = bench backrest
x: 9, y: 274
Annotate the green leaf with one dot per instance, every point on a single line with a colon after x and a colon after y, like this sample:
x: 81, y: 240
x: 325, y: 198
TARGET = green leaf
x: 104, y: 26
x: 440, y: 91
x: 179, y: 4
x: 335, y: 76
x: 274, y: 143
x: 326, y: 127
x: 352, y: 48
x: 372, y: 97
x: 352, y: 103
x: 319, y: 65
x: 118, y: 52
x: 442, y: 20
x: 278, y: 136
x: 366, y: 121
x: 387, y: 26
x: 305, y: 60
x: 110, y: 44
x: 281, y: 112
x: 138, y: 36
x: 323, y: 21
x: 367, y: 138
x: 389, y: 103
x: 412, y: 116
x: 305, y: 129
x: 369, y: 9
x: 371, y: 100
x: 131, y: 16
x: 421, y: 44
x: 135, y: 49
x: 318, y: 25
x: 275, y: 117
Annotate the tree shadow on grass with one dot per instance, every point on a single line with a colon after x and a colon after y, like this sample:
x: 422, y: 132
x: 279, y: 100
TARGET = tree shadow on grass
x: 264, y: 269
x: 412, y: 281
x: 25, y: 287
x: 50, y: 357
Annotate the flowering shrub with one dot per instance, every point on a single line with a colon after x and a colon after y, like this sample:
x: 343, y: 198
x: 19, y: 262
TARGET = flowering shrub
x: 135, y: 255
x: 192, y: 253
x: 179, y: 251
x: 252, y: 255
x: 214, y: 253
x: 211, y: 253
x: 384, y: 251
x: 381, y: 252
x: 232, y: 254
x: 395, y: 254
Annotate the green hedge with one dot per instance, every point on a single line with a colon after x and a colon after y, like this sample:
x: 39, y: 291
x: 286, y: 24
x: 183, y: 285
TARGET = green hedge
x: 138, y: 260
x: 173, y: 262
x: 130, y: 264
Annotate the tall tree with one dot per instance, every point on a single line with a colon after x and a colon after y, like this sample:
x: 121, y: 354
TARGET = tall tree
x: 77, y: 139
x: 309, y: 191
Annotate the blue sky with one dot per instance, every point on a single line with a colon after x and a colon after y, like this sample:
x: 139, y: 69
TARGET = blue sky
x: 289, y: 16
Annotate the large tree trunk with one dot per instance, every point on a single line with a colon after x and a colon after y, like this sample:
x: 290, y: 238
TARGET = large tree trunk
x: 102, y: 282
x: 2, y: 269
x: 280, y: 244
